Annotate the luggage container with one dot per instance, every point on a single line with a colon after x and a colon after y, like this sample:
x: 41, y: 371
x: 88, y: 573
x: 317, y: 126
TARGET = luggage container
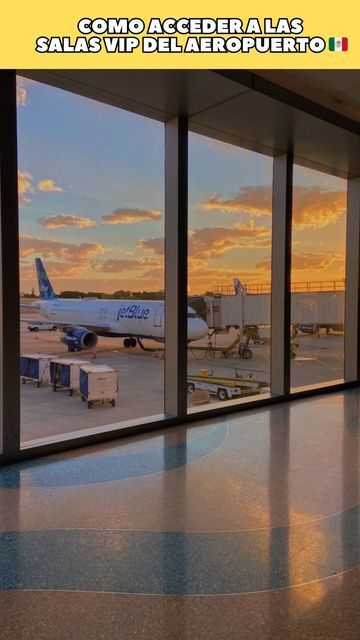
x: 35, y: 367
x: 98, y: 383
x: 65, y: 374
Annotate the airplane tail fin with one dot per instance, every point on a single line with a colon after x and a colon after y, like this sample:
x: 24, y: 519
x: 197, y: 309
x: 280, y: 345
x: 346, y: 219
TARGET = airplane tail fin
x: 45, y: 288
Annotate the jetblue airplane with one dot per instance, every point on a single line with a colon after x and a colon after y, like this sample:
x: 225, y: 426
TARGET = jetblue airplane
x: 82, y: 321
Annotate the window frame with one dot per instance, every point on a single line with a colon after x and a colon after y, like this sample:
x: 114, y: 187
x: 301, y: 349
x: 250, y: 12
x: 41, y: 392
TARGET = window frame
x: 176, y: 167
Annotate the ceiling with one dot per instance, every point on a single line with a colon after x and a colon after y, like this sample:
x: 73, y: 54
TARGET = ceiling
x: 315, y: 114
x: 342, y: 84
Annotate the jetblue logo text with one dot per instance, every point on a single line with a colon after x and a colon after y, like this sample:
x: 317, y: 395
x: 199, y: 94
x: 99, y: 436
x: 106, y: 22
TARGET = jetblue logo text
x: 133, y: 311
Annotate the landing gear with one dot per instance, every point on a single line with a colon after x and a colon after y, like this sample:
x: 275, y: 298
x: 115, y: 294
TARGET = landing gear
x: 129, y: 342
x: 245, y: 352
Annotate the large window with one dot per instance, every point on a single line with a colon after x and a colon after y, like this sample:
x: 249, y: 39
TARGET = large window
x: 229, y: 284
x: 91, y: 187
x: 95, y: 185
x: 317, y: 278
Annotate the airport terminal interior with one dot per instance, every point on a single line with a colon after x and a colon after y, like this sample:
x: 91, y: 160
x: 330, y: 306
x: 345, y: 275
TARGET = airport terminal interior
x: 179, y: 370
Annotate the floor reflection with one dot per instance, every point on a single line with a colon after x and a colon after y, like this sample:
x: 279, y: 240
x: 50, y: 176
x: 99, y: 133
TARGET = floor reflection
x: 350, y: 480
x: 279, y: 570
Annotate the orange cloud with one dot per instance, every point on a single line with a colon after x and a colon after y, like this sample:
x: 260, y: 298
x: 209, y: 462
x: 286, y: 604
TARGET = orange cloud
x: 21, y: 96
x: 56, y: 269
x: 210, y: 242
x: 30, y: 246
x: 253, y: 200
x: 155, y: 246
x: 307, y: 261
x: 48, y: 185
x: 313, y: 207
x: 126, y: 215
x: 154, y: 275
x: 21, y: 91
x: 62, y: 220
x: 114, y: 265
x: 25, y: 186
x: 118, y: 265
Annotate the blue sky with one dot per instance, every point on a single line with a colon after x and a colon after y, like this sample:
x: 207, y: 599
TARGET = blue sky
x: 80, y: 160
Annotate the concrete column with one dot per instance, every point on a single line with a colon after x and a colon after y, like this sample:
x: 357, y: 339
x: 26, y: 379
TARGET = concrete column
x: 176, y: 268
x: 9, y: 267
x: 352, y: 282
x: 281, y: 274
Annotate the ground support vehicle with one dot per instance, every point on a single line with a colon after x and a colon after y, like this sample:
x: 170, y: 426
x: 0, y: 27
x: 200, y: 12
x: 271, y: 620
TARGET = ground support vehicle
x: 225, y: 387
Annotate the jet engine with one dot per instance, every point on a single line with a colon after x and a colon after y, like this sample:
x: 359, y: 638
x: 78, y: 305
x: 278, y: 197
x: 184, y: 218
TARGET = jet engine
x: 79, y: 338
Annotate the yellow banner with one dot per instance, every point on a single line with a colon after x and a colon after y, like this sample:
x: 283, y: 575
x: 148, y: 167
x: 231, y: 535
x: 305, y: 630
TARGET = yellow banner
x: 191, y: 35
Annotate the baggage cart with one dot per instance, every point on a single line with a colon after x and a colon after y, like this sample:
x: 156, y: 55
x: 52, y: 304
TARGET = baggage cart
x: 65, y: 374
x: 35, y: 367
x: 98, y: 383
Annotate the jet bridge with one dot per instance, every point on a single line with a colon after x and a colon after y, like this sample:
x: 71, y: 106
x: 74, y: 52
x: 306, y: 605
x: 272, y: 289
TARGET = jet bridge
x: 322, y: 309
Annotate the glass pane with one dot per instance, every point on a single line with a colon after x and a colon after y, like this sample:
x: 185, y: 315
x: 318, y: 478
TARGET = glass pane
x: 230, y: 191
x: 318, y: 278
x: 91, y: 187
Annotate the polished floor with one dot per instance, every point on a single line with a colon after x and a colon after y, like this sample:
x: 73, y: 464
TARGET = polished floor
x: 244, y: 527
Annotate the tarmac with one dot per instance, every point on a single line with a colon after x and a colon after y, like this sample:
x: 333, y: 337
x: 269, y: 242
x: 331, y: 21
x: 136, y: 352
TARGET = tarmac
x: 45, y: 414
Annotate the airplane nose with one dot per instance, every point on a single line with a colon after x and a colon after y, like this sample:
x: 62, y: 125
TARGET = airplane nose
x: 199, y: 329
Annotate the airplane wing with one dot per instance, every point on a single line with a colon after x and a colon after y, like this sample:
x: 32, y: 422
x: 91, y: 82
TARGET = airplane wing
x: 66, y: 327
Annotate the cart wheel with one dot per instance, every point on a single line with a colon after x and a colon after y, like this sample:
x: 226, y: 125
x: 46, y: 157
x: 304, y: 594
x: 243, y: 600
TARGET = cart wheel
x: 23, y: 380
x: 112, y: 403
x: 222, y: 394
x: 90, y: 404
x: 191, y: 387
x: 70, y: 392
x: 37, y: 384
x: 247, y: 354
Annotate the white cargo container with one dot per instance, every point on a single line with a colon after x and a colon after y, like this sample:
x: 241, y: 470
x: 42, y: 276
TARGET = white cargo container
x: 35, y: 367
x: 65, y: 374
x: 98, y: 383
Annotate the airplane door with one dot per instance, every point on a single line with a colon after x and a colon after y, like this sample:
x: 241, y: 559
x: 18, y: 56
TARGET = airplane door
x: 158, y: 317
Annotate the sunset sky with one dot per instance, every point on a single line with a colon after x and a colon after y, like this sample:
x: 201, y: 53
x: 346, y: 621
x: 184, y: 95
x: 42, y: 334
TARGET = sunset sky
x: 91, y: 192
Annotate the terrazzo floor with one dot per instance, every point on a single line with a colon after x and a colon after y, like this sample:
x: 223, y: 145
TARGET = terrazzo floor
x: 244, y: 527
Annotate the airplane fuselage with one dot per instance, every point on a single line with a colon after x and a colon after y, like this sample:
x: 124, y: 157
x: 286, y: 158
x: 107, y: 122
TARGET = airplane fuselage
x: 137, y: 318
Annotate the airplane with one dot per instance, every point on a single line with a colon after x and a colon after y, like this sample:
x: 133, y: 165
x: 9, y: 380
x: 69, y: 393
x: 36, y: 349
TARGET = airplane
x: 82, y: 321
